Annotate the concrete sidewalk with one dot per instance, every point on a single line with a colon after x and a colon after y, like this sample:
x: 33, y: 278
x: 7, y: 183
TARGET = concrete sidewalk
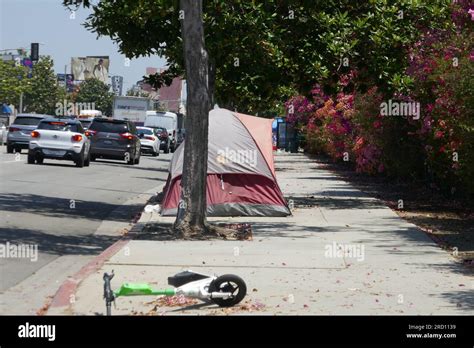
x: 296, y: 265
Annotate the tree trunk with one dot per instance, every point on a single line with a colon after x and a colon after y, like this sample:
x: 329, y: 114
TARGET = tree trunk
x: 200, y: 77
x: 191, y: 219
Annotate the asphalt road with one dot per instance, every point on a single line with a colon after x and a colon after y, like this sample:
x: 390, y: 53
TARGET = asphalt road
x: 59, y: 207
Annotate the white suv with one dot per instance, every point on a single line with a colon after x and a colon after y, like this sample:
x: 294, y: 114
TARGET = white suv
x: 61, y: 139
x: 149, y: 140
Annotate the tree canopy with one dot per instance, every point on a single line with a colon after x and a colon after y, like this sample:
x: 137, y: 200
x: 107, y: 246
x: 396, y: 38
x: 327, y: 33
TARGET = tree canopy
x: 97, y: 92
x: 13, y: 82
x: 40, y: 88
x: 44, y: 91
x: 262, y: 52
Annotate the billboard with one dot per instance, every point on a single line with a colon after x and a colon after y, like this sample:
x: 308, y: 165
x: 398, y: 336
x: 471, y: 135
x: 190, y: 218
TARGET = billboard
x: 68, y: 81
x: 84, y: 68
x: 117, y: 83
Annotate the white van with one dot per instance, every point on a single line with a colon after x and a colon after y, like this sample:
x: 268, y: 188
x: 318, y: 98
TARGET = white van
x: 168, y: 120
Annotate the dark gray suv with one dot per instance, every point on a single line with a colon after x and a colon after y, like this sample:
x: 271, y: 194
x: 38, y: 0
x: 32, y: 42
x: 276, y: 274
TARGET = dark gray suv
x: 114, y: 139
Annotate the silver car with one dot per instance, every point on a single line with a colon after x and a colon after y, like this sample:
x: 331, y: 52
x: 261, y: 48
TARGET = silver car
x: 19, y: 132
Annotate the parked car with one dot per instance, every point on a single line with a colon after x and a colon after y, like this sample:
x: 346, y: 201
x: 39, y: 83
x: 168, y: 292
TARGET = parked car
x: 114, y: 139
x: 165, y: 140
x: 60, y: 139
x: 3, y: 134
x: 149, y: 140
x: 180, y: 137
x: 19, y: 132
x: 166, y: 120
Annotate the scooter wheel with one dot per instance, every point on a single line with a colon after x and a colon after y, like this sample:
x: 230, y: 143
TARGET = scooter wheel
x: 228, y: 283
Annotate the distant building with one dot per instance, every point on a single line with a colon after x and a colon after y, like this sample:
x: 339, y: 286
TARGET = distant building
x: 172, y: 97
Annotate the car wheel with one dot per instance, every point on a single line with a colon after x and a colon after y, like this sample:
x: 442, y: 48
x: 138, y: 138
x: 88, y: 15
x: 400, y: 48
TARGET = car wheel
x: 9, y: 149
x: 130, y: 160
x: 87, y: 161
x: 18, y: 149
x: 137, y: 160
x: 167, y: 149
x: 80, y: 161
x: 31, y: 158
x: 92, y: 158
x: 154, y: 153
x: 39, y: 160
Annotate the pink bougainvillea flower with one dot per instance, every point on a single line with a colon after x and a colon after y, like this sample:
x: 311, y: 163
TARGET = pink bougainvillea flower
x: 448, y: 56
x: 377, y: 124
x: 359, y: 142
x: 439, y: 134
x: 471, y: 12
x: 429, y: 107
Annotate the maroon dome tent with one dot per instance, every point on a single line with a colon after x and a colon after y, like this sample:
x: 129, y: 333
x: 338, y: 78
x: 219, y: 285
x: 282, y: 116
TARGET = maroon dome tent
x: 241, y: 177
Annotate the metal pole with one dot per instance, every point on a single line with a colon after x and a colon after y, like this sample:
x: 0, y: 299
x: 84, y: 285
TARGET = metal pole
x: 21, y: 102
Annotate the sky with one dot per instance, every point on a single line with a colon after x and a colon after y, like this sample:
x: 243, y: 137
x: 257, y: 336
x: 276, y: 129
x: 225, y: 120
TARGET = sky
x: 61, y: 37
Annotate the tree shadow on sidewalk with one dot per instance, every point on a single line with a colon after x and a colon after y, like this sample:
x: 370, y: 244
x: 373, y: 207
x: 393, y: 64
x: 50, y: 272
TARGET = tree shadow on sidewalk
x: 313, y: 201
x: 63, y: 208
x: 58, y: 244
x: 464, y: 300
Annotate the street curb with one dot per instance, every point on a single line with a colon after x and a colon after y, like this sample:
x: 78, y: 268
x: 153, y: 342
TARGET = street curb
x: 64, y: 296
x: 66, y: 291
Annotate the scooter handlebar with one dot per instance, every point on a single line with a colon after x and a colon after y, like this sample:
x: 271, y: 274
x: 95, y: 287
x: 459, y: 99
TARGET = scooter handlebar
x: 108, y: 293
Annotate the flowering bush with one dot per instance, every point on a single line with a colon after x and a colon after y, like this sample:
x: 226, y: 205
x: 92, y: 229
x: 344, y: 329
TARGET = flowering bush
x: 328, y: 128
x: 369, y: 128
x: 442, y: 66
x: 299, y: 109
x: 437, y: 146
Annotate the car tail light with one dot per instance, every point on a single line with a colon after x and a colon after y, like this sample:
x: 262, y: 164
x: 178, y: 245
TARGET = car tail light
x: 150, y: 137
x: 13, y: 129
x: 127, y: 135
x: 35, y: 134
x: 76, y: 138
x: 90, y: 132
x: 164, y: 134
